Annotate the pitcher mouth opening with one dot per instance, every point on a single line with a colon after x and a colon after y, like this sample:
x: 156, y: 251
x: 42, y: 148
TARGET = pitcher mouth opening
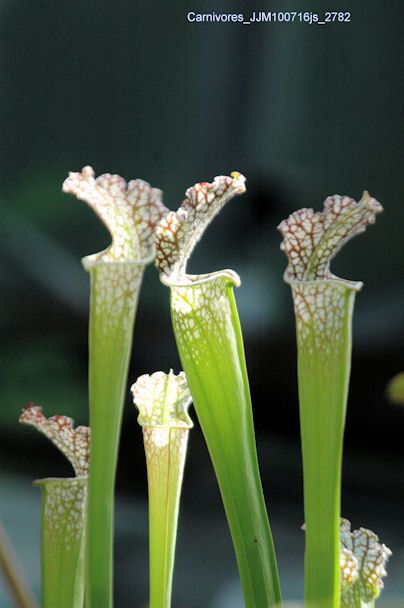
x: 192, y: 280
x: 333, y: 280
x: 95, y: 259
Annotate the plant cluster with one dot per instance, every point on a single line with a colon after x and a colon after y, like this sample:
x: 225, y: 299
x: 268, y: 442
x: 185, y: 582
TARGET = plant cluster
x: 342, y: 568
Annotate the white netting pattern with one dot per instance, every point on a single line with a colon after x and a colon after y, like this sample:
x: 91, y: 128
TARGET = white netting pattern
x: 311, y: 239
x: 130, y: 211
x: 178, y: 232
x: 363, y: 561
x: 163, y: 400
x: 74, y: 443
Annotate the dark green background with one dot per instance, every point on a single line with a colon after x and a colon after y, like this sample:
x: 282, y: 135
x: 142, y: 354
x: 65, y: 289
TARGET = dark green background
x: 303, y: 111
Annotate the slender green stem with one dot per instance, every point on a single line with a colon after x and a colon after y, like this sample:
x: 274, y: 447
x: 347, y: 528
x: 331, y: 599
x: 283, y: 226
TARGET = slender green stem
x: 13, y: 574
x: 62, y: 544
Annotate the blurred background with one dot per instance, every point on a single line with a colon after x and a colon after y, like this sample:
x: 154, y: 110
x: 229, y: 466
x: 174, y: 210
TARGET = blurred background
x: 303, y: 111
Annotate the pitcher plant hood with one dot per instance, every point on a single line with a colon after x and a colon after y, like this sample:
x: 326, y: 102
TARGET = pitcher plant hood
x: 162, y: 400
x: 74, y: 443
x: 129, y: 210
x: 312, y: 239
x: 363, y: 565
x: 179, y: 231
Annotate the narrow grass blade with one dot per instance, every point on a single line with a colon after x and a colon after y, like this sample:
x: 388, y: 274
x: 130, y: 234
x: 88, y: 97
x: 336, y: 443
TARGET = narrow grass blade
x: 323, y: 308
x: 210, y: 346
x: 163, y: 401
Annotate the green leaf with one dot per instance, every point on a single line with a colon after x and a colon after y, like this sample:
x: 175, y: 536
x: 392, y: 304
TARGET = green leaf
x: 63, y: 512
x: 163, y: 401
x: 210, y: 346
x: 62, y: 541
x: 130, y: 211
x: 323, y: 306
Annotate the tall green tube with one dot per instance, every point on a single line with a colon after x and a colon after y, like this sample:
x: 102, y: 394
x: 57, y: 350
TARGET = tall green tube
x: 324, y: 362
x: 110, y: 344
x: 163, y: 401
x: 323, y: 306
x: 63, y: 541
x: 210, y: 345
x: 63, y: 512
x: 130, y: 212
